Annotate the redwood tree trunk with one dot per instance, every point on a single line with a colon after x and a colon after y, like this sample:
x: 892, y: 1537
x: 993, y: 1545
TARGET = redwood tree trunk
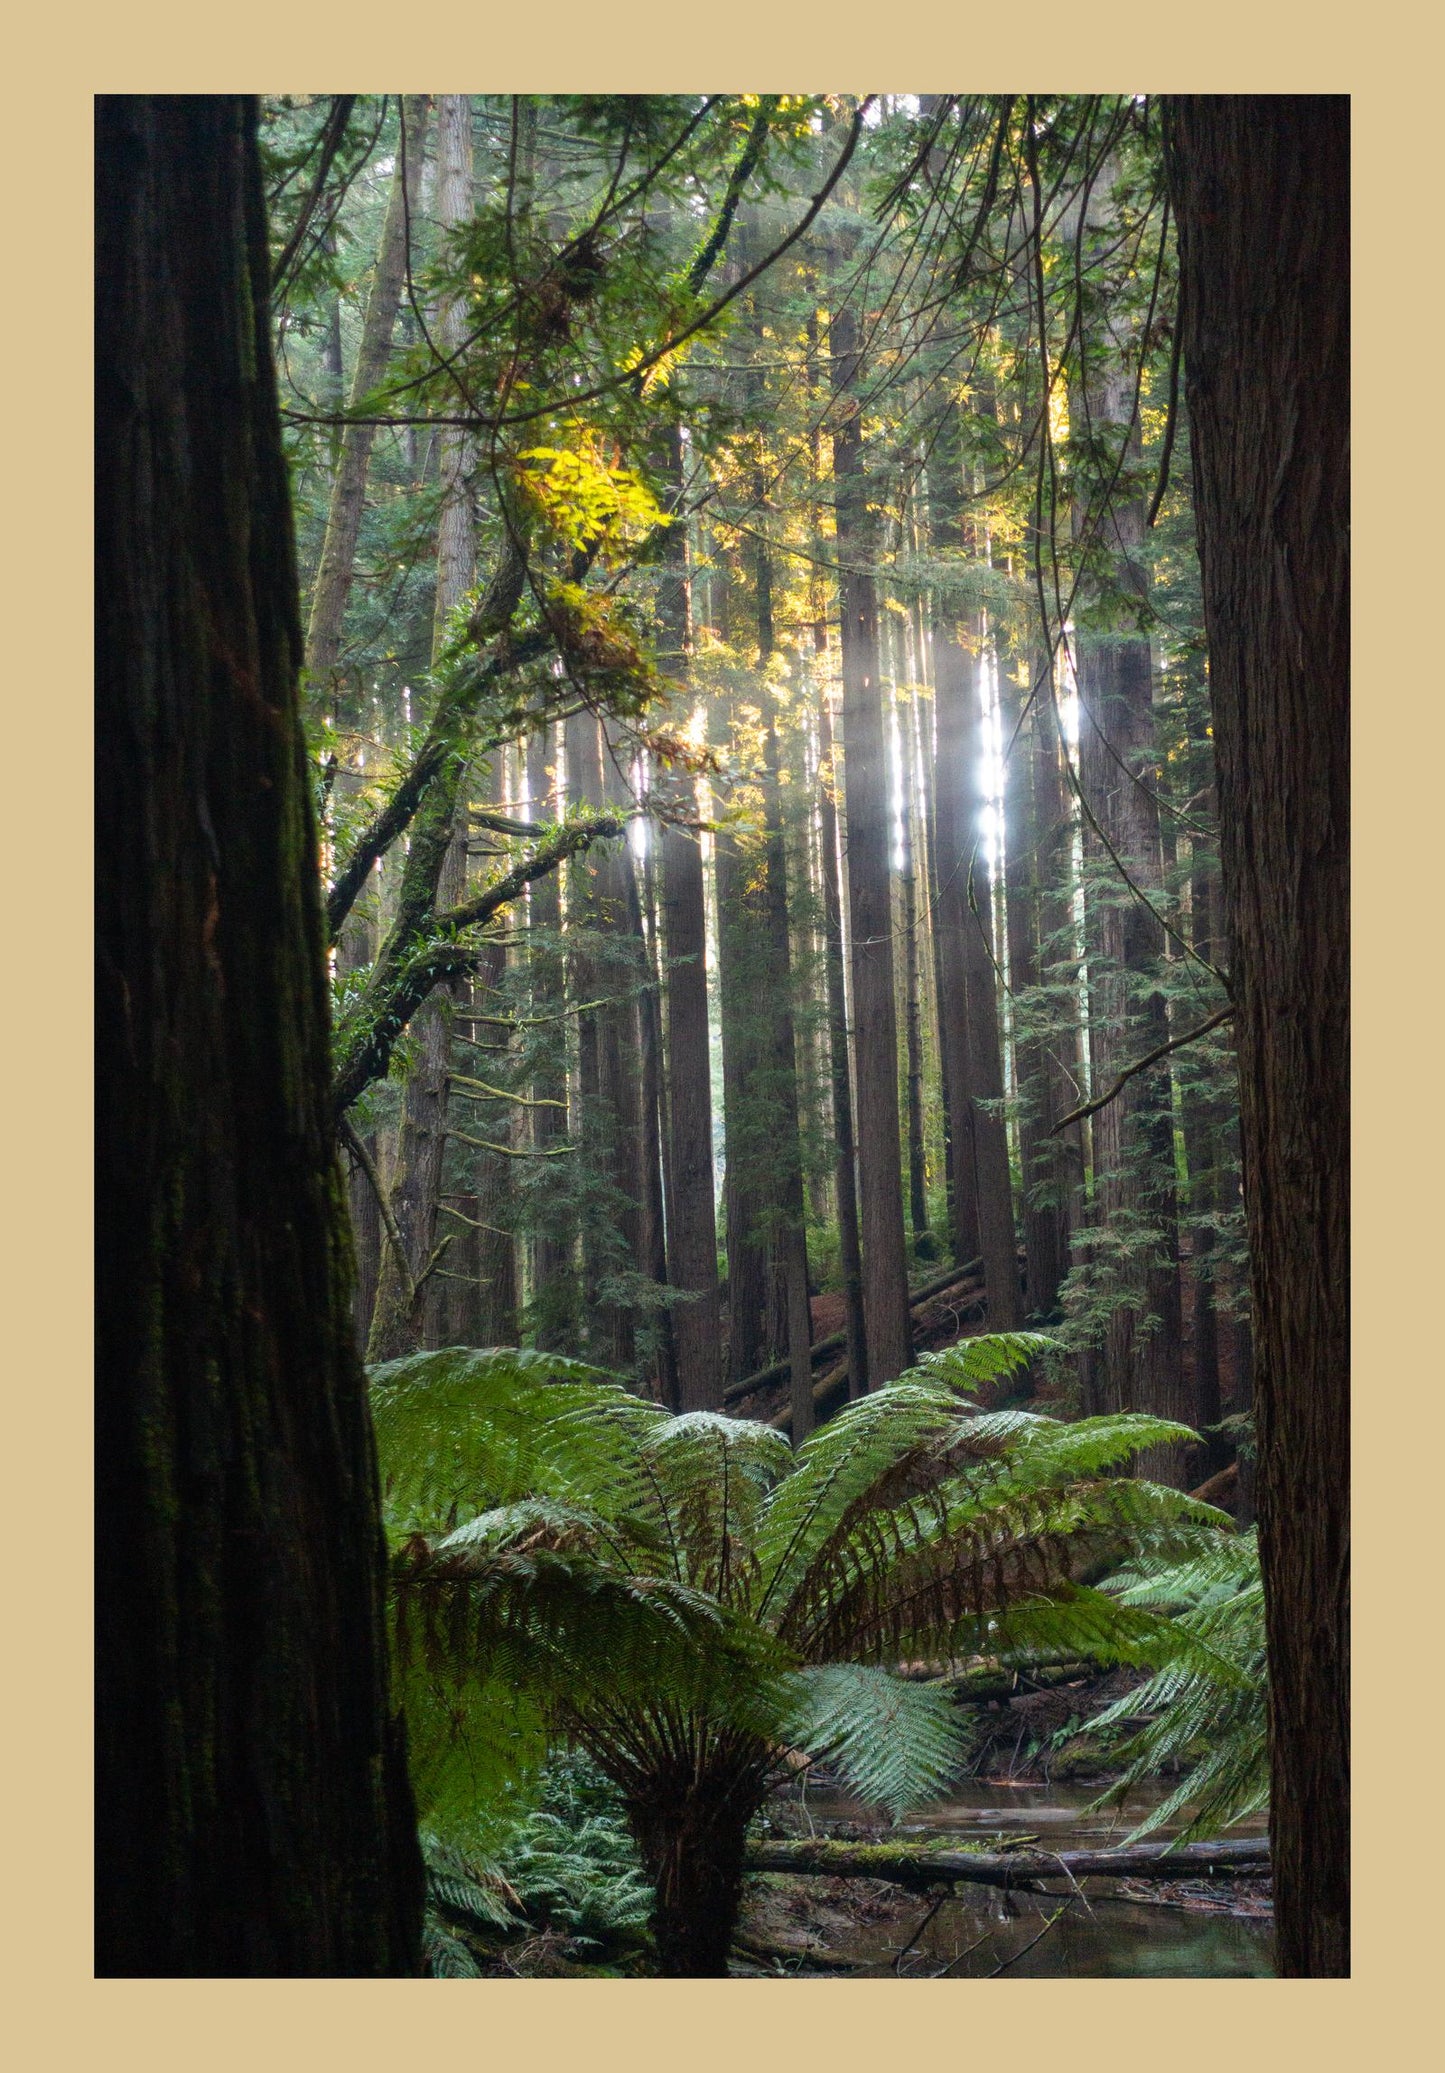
x: 348, y: 484
x: 1262, y: 190
x: 865, y: 781
x: 692, y: 1220
x: 1136, y: 1206
x: 554, y: 1278
x: 253, y: 1812
x: 850, y: 1255
x: 407, y: 1312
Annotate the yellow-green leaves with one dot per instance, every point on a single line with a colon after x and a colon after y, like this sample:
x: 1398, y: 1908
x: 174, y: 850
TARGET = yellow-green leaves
x: 586, y: 500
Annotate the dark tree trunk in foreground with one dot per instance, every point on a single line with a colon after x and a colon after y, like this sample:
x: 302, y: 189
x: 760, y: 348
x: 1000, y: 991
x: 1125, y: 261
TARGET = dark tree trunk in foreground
x: 1262, y: 190
x: 253, y: 1812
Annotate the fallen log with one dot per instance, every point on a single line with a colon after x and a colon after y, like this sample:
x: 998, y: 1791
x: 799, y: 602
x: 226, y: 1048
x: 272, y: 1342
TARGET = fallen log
x: 904, y: 1864
x: 835, y: 1341
x: 830, y: 1388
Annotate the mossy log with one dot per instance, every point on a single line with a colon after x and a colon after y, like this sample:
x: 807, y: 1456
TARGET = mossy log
x: 905, y: 1864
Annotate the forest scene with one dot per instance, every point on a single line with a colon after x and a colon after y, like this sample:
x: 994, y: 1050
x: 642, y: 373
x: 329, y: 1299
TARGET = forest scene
x: 722, y: 1263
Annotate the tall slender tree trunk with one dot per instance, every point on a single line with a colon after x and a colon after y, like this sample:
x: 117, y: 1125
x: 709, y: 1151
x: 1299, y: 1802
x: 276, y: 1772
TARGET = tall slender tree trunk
x: 253, y: 1815
x: 588, y: 978
x: 1203, y: 1125
x: 1045, y: 1221
x: 955, y: 692
x: 348, y: 485
x: 655, y: 1150
x: 968, y: 892
x: 865, y: 776
x: 789, y: 1233
x: 1262, y: 191
x: 742, y: 960
x: 1054, y: 838
x: 610, y: 1042
x: 403, y: 1310
x: 553, y: 1276
x: 849, y: 1248
x: 350, y: 460
x: 912, y: 1013
x: 634, y: 1148
x: 1135, y: 1191
x: 691, y: 1207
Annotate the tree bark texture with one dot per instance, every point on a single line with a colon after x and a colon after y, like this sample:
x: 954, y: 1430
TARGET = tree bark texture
x: 1262, y: 191
x: 1023, y: 1869
x: 1045, y: 1221
x: 554, y: 1279
x: 692, y: 1219
x: 738, y: 875
x: 691, y: 1830
x: 850, y: 1252
x: 253, y: 1811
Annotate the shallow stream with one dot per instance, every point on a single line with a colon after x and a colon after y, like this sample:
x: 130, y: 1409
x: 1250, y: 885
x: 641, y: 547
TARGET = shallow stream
x: 1201, y: 1928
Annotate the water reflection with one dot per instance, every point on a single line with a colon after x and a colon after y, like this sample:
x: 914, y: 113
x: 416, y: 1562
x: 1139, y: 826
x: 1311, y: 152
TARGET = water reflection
x: 1223, y: 1933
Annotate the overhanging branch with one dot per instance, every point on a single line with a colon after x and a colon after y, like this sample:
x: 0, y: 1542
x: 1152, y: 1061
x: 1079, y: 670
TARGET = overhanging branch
x: 1089, y: 1108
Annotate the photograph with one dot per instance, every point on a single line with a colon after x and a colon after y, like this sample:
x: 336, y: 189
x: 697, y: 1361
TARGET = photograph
x: 722, y: 771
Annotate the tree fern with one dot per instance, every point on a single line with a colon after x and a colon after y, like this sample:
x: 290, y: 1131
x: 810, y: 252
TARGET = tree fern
x: 689, y: 1600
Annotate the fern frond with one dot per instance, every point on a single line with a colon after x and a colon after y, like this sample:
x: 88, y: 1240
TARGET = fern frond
x: 898, y: 1744
x: 1218, y: 1604
x: 446, y: 1956
x: 706, y: 1478
x: 463, y: 1430
x: 1029, y: 1514
x: 877, y: 1450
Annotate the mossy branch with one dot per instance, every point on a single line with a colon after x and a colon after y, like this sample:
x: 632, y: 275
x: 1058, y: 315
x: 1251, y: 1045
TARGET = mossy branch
x: 424, y: 951
x: 447, y: 737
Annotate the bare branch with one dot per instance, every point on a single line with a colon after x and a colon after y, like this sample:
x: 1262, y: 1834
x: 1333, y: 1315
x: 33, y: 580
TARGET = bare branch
x: 1089, y: 1108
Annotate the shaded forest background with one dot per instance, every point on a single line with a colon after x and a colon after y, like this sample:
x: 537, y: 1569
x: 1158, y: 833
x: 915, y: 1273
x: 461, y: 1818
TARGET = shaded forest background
x: 869, y: 616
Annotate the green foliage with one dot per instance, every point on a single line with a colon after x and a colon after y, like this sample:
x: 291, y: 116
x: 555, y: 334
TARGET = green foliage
x: 565, y: 1863
x: 575, y: 1563
x: 897, y: 1743
x: 1205, y: 1704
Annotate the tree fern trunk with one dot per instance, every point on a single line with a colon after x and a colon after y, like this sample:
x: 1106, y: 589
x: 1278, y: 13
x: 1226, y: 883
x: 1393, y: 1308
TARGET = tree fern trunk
x: 691, y: 1833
